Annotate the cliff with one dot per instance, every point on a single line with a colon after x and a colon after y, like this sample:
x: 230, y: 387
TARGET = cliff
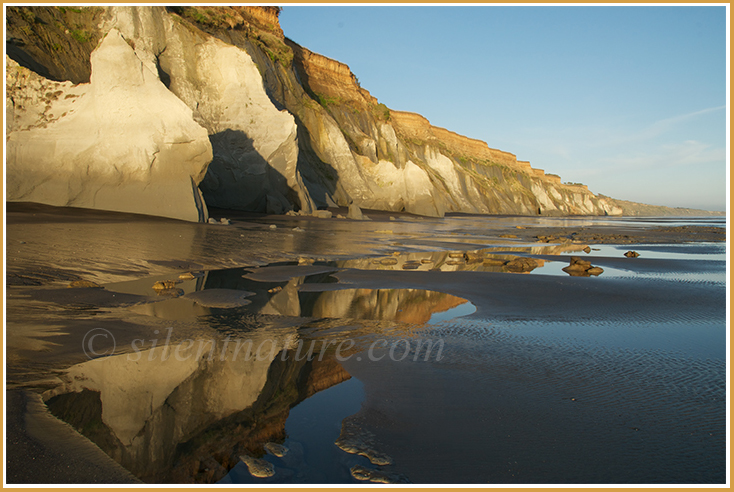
x: 227, y: 111
x: 645, y: 210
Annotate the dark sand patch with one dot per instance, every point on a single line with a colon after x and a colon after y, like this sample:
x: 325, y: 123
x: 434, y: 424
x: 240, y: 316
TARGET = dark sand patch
x: 87, y: 297
x: 38, y: 448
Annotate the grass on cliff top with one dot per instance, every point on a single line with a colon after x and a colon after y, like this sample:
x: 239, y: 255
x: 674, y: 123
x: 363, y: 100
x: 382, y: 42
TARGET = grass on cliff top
x: 220, y: 19
x: 381, y: 112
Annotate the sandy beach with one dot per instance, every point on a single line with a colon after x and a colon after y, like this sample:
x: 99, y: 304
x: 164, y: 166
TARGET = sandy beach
x: 545, y: 377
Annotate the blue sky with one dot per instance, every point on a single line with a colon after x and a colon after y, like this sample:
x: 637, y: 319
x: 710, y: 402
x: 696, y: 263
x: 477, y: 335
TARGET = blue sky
x: 629, y: 100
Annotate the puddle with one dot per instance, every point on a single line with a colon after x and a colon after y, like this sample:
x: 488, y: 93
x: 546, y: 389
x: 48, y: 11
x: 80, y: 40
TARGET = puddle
x: 276, y: 290
x: 464, y: 309
x: 523, y: 259
x: 184, y: 419
x: 311, y: 430
x: 279, y: 289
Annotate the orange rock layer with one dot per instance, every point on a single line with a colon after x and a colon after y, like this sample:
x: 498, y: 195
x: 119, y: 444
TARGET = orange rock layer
x: 329, y: 78
x: 416, y: 127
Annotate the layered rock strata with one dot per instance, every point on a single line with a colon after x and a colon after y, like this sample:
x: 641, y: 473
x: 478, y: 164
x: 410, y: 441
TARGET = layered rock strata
x: 287, y: 129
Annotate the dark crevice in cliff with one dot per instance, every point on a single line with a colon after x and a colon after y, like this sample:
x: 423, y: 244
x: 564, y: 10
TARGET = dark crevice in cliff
x: 226, y: 184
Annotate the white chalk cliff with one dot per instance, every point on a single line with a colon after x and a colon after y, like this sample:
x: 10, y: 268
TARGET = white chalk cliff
x: 122, y: 142
x: 188, y: 107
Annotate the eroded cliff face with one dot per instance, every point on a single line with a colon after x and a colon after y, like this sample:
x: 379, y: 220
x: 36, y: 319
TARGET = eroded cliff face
x: 287, y: 129
x: 122, y: 142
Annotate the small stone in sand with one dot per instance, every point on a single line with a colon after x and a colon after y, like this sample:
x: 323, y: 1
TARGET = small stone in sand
x: 258, y: 468
x: 273, y: 226
x: 276, y: 449
x: 426, y: 260
x: 376, y: 476
x: 456, y: 255
x: 189, y: 276
x: 275, y: 289
x: 175, y: 292
x: 586, y: 250
x: 494, y: 262
x: 85, y: 284
x: 389, y: 261
x: 411, y: 265
x: 165, y: 284
x: 356, y: 440
x: 632, y: 254
x: 473, y: 257
x: 212, y: 220
x: 224, y: 221
x: 305, y: 261
x: 297, y: 229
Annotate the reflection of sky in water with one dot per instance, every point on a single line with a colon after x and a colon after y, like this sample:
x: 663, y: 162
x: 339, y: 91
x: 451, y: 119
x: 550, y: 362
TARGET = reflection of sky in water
x: 464, y: 309
x: 311, y: 429
x: 688, y: 252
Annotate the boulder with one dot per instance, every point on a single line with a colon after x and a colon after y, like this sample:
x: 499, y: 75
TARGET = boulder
x: 355, y: 213
x: 322, y: 214
x: 579, y: 264
x: 521, y: 264
x: 581, y: 268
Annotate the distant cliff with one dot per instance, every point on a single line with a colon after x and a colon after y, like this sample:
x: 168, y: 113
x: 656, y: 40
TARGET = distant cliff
x: 213, y: 105
x: 645, y: 210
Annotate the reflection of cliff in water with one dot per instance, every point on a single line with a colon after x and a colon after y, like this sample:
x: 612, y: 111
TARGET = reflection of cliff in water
x: 284, y: 295
x: 187, y: 421
x: 404, y: 305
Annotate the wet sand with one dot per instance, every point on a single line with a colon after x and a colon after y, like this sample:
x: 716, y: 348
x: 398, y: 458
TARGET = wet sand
x: 515, y: 377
